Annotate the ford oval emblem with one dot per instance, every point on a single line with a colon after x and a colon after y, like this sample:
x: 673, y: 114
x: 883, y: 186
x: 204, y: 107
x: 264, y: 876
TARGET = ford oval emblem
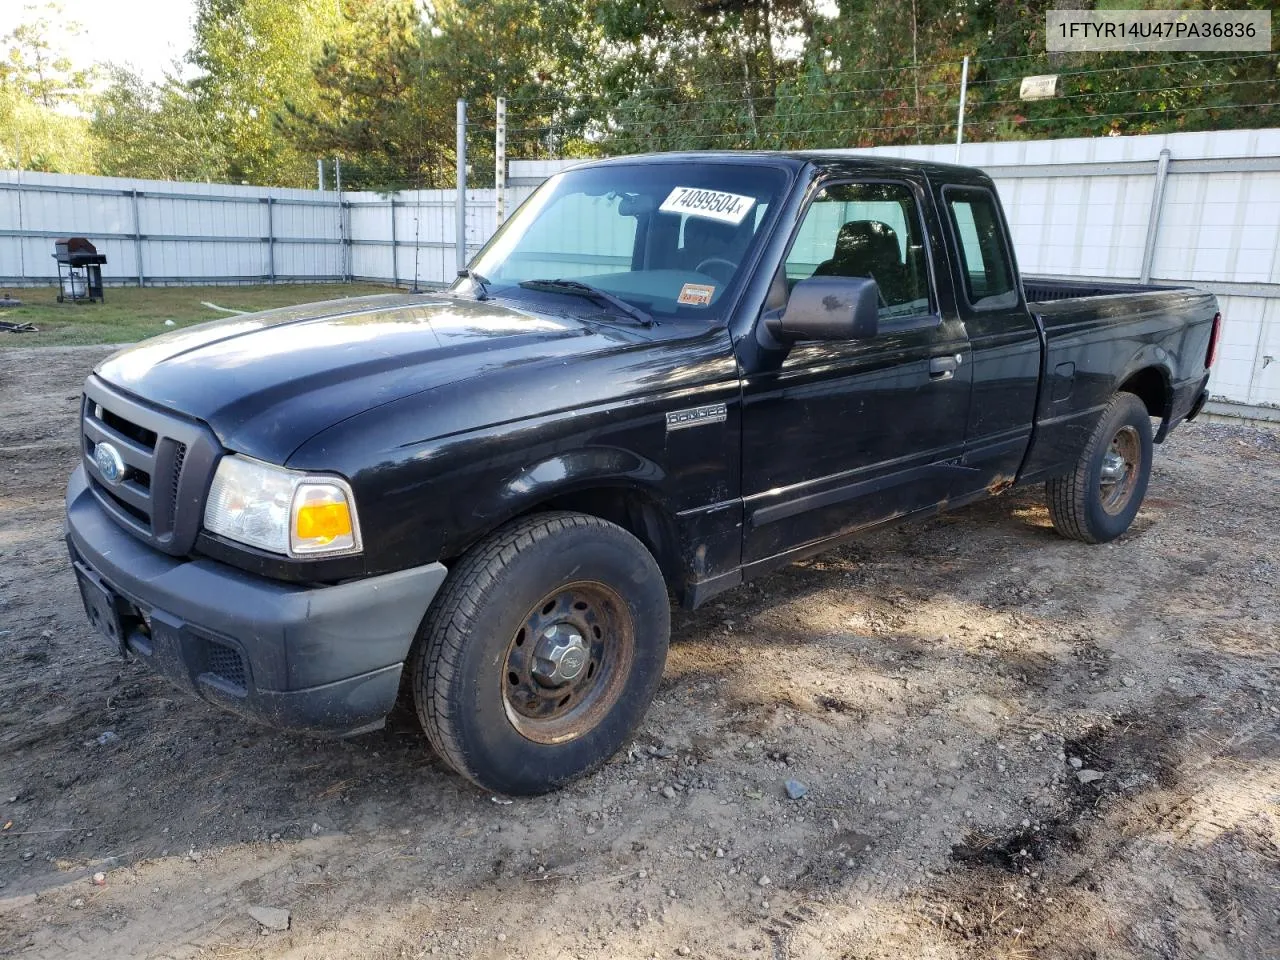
x: 109, y: 463
x: 572, y: 662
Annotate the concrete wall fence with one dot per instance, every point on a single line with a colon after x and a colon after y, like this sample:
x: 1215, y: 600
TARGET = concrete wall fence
x: 1185, y: 208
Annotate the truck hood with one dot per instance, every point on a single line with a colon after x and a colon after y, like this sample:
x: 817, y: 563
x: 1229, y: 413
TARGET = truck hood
x: 266, y: 382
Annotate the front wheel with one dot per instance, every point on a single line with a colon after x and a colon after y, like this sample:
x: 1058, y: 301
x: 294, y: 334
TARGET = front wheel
x: 542, y: 653
x: 1098, y: 500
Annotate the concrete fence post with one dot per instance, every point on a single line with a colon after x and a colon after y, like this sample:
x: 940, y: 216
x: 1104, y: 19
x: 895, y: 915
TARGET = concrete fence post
x: 500, y: 162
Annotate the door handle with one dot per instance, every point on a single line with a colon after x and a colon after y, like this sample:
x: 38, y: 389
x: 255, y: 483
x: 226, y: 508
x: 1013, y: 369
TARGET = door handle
x: 944, y: 368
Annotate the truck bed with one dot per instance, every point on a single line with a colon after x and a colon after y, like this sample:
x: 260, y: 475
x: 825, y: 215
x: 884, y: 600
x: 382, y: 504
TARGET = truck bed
x: 1049, y: 289
x: 1096, y: 334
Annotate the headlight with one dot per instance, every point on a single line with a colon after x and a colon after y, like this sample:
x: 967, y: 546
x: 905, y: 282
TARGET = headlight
x: 281, y: 510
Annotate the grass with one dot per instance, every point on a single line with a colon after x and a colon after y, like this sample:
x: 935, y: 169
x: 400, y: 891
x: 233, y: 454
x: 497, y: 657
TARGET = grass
x: 129, y: 314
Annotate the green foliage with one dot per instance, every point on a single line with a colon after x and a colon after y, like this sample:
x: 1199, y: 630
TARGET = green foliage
x: 40, y: 95
x: 388, y: 84
x: 375, y: 105
x: 36, y: 137
x: 36, y: 66
x: 272, y: 85
x: 695, y: 74
x: 156, y: 131
x: 691, y: 74
x: 253, y: 56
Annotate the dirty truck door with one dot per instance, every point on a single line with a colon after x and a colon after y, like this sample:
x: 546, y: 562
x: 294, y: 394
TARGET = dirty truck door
x: 843, y: 435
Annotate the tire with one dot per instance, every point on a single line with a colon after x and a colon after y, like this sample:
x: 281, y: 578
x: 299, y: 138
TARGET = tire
x: 1097, y: 501
x: 494, y: 676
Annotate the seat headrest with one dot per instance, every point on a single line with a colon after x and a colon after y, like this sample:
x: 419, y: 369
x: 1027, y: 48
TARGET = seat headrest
x: 699, y: 232
x: 869, y: 241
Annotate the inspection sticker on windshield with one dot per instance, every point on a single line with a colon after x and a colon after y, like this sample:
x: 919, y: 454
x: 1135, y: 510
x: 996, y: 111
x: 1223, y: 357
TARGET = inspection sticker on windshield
x: 712, y: 204
x: 697, y: 294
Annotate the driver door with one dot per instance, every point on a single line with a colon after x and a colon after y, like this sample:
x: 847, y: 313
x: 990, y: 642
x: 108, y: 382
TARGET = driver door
x: 842, y: 436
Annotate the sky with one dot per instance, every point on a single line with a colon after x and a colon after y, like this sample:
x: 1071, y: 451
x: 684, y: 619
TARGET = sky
x: 147, y: 34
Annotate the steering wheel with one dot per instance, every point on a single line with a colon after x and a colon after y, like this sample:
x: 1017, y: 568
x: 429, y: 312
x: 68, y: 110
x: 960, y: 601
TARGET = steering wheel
x: 720, y: 262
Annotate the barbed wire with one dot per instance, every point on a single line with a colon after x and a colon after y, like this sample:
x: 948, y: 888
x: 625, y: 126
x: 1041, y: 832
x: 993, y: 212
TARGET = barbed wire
x: 879, y: 108
x: 974, y: 64
x: 784, y: 112
x: 773, y: 123
x: 829, y: 91
x: 776, y: 123
x: 920, y: 65
x: 1134, y: 113
x: 1125, y: 92
x: 748, y: 81
x: 658, y: 141
x: 659, y: 121
x: 1125, y: 68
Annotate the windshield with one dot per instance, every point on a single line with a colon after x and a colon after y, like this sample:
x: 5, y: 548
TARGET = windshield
x: 667, y: 238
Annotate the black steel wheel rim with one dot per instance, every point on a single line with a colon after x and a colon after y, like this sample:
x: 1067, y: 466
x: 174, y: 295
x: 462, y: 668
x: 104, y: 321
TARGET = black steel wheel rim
x: 568, y: 662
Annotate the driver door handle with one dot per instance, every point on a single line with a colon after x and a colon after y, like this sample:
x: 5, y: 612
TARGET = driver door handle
x: 944, y: 368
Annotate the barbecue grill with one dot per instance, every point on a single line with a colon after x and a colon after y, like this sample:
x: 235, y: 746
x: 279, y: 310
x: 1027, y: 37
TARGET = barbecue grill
x: 79, y: 270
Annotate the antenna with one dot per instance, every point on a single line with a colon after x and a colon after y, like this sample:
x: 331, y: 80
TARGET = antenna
x: 417, y: 216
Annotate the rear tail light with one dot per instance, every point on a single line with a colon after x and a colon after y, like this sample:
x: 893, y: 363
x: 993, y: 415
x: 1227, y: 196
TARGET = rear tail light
x: 1212, y: 353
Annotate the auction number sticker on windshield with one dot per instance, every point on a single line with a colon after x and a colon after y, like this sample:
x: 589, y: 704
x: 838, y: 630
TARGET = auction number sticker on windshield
x: 711, y: 204
x: 696, y: 294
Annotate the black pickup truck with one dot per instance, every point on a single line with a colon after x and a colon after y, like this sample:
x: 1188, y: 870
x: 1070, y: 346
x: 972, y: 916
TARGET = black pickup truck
x: 663, y: 376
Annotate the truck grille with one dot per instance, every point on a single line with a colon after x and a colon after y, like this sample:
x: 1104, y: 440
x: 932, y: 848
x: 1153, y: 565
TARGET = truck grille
x: 156, y: 464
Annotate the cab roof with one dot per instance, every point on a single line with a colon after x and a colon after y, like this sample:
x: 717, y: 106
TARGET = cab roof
x: 845, y: 161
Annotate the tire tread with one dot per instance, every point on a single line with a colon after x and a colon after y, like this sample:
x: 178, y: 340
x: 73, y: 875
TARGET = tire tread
x: 440, y: 644
x: 1067, y: 497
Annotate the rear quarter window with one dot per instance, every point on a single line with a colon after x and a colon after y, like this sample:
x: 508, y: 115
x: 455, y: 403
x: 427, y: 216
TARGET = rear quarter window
x: 986, y: 267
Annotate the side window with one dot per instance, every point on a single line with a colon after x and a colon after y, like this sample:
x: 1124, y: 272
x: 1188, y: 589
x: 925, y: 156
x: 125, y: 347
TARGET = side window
x: 984, y: 256
x: 865, y: 230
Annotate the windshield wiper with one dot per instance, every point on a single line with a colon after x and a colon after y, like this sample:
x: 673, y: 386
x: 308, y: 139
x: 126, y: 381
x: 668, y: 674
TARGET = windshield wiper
x: 479, y: 281
x: 580, y: 289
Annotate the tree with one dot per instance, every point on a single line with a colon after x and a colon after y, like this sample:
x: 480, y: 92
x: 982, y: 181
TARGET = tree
x: 41, y: 127
x: 684, y: 74
x: 253, y: 57
x: 39, y: 69
x: 376, y: 105
x: 34, y: 138
x: 389, y: 84
x: 696, y: 74
x: 154, y: 130
x: 282, y: 82
x: 544, y: 56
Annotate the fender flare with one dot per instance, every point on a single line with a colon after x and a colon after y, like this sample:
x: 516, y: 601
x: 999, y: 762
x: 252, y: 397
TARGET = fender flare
x: 563, y: 474
x: 1152, y: 357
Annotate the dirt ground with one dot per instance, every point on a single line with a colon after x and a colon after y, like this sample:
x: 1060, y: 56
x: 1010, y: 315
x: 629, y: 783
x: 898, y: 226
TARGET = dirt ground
x: 1013, y: 746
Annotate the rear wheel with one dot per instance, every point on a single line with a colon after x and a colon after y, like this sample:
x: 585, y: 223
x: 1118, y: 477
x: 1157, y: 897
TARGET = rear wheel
x: 542, y: 653
x: 1098, y: 500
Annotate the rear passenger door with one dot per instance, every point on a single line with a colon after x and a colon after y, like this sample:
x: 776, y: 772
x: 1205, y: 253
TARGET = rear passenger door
x: 1002, y: 334
x: 839, y: 436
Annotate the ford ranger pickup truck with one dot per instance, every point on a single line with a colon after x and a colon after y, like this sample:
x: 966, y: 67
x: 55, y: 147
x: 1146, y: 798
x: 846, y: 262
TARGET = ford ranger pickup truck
x: 663, y: 376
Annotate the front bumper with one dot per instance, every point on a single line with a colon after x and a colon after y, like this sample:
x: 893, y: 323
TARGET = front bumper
x: 323, y: 660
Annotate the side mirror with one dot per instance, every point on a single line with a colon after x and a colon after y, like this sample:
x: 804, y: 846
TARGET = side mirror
x: 829, y: 308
